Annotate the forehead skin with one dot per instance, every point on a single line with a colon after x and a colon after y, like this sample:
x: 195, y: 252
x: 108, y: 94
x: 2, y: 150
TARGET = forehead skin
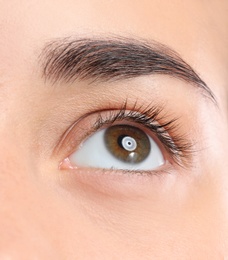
x: 40, y: 220
x: 194, y: 29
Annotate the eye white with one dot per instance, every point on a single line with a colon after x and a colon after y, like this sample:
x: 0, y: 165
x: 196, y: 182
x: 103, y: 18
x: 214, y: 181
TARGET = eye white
x: 94, y: 153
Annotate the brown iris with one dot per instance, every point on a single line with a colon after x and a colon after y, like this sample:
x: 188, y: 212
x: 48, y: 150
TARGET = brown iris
x: 127, y: 143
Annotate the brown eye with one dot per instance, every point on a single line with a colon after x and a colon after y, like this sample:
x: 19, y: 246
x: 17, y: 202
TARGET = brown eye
x: 127, y: 143
x: 122, y: 147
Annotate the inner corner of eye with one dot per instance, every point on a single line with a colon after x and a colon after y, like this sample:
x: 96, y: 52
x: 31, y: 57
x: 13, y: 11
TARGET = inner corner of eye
x: 121, y: 146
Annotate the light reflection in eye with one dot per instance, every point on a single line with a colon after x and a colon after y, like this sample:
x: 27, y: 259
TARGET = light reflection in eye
x: 119, y: 147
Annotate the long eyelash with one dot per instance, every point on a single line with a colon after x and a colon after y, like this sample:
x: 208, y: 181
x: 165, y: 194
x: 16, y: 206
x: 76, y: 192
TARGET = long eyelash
x: 176, y: 145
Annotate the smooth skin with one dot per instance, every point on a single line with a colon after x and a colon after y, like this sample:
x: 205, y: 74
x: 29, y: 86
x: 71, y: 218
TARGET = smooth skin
x: 51, y: 213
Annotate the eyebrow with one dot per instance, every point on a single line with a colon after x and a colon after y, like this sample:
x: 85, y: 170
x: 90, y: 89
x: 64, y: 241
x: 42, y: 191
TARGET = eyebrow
x: 117, y: 58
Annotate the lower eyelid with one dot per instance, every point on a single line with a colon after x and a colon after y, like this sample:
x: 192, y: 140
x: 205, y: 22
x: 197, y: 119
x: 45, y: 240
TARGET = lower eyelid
x: 120, y: 183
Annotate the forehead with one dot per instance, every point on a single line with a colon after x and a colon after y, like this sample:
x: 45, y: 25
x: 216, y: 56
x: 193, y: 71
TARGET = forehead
x: 160, y: 20
x: 195, y: 29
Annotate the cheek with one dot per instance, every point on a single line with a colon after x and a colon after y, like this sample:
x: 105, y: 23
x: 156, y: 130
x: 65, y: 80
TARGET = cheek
x: 197, y: 226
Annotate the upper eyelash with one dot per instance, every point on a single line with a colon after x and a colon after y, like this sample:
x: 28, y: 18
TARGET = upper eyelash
x: 177, y: 145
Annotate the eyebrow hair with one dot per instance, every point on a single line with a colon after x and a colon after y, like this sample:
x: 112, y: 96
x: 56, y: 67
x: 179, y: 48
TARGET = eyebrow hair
x: 115, y: 58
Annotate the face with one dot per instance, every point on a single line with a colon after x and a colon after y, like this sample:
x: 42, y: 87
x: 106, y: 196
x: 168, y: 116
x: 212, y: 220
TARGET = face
x: 113, y: 129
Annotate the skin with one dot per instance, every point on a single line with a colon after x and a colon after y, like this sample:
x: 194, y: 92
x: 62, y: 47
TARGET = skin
x: 49, y: 212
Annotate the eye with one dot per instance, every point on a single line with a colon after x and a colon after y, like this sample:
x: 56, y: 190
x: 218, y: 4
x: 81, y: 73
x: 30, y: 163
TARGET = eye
x: 130, y: 138
x: 123, y: 147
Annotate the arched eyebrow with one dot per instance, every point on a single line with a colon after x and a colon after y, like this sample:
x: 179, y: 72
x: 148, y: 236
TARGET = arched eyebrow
x: 116, y: 58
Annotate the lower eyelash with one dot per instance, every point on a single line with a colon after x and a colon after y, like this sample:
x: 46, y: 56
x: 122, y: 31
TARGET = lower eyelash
x: 176, y: 145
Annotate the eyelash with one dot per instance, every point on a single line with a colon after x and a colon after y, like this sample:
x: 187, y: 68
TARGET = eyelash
x: 177, y: 146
